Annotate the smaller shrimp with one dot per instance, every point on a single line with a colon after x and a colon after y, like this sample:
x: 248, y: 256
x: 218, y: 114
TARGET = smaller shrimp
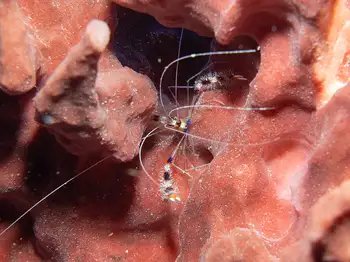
x: 215, y: 80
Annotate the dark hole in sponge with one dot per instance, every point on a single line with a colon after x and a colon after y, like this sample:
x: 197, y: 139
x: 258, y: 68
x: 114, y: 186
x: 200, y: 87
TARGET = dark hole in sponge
x: 202, y: 154
x: 149, y: 48
x: 205, y: 154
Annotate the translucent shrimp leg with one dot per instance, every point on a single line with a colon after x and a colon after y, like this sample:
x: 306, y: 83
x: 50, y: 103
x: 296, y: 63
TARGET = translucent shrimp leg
x: 140, y: 155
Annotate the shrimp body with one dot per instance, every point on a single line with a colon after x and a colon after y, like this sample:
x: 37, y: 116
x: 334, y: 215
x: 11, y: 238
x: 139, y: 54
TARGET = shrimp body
x: 180, y: 124
x: 167, y: 187
x: 215, y: 80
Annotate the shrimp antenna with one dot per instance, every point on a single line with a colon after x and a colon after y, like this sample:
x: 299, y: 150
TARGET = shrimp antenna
x: 76, y: 176
x: 177, y: 64
x: 52, y: 192
x: 223, y: 107
x: 199, y: 55
x: 140, y: 154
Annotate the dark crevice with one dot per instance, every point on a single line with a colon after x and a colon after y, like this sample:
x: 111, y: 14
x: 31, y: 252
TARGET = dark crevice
x: 204, y: 154
x: 13, y: 205
x: 10, y: 119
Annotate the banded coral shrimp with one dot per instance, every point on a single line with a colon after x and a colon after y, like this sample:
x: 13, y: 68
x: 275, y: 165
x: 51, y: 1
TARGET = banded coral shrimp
x: 175, y: 125
x: 181, y: 123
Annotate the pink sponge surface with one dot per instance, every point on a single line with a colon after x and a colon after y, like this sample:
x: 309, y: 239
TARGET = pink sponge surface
x: 273, y: 184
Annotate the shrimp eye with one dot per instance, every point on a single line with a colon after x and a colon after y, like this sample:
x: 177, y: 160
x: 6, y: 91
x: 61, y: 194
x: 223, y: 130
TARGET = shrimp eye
x: 156, y: 118
x: 166, y: 176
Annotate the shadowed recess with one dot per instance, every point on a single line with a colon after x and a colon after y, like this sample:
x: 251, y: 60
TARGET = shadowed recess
x: 11, y: 109
x: 12, y: 205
